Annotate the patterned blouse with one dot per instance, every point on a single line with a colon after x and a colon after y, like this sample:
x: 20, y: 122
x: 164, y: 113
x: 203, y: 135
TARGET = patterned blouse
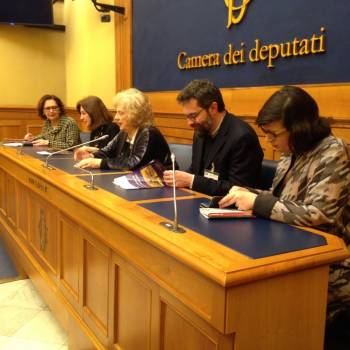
x: 65, y: 135
x: 314, y: 190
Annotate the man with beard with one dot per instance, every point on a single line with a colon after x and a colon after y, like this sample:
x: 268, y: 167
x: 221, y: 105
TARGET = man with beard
x: 226, y: 150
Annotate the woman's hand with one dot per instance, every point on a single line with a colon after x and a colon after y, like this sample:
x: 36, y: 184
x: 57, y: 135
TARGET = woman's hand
x: 237, y: 188
x: 92, y: 163
x: 241, y: 197
x: 40, y: 142
x: 28, y: 137
x: 84, y: 152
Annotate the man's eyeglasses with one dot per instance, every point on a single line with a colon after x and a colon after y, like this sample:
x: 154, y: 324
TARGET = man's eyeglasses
x: 51, y: 108
x: 192, y: 116
x: 272, y: 135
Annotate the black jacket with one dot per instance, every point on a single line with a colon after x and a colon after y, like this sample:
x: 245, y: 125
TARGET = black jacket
x: 235, y: 153
x: 149, y: 145
x: 110, y: 129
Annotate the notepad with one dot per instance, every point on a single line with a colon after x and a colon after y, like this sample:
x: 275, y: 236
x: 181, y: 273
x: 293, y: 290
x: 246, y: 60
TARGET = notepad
x: 43, y: 153
x: 218, y: 213
x: 13, y: 144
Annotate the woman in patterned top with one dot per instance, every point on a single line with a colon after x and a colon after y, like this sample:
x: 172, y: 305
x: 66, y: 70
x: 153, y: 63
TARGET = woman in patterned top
x: 312, y: 183
x: 94, y: 114
x: 59, y: 131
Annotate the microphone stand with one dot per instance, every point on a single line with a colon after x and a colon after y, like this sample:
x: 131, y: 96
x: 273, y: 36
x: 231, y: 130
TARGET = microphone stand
x: 46, y: 164
x: 174, y: 227
x: 90, y: 186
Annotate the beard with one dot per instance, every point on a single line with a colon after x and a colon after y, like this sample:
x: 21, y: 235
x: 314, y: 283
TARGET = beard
x: 203, y: 129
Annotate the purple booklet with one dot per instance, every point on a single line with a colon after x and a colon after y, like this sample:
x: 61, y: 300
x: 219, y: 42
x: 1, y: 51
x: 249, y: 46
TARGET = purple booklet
x: 148, y: 176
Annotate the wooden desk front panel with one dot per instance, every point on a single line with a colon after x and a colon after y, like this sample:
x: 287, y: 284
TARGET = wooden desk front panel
x: 110, y: 295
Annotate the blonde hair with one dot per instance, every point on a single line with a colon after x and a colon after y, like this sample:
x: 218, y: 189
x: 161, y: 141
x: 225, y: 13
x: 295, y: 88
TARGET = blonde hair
x: 137, y: 107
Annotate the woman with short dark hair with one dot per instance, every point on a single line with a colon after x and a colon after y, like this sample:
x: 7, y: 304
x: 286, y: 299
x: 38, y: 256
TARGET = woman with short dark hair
x: 312, y: 182
x: 59, y: 131
x: 95, y: 116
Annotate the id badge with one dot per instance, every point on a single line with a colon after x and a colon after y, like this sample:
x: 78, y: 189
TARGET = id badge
x: 211, y: 174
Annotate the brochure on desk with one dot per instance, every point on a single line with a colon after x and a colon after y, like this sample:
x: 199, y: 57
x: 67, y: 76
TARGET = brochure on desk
x: 148, y: 176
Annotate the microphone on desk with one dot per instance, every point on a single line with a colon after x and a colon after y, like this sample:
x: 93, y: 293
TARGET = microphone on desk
x: 174, y: 227
x: 91, y: 186
x: 46, y: 164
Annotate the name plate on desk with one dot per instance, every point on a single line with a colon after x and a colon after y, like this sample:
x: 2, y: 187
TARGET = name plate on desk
x: 38, y: 184
x: 257, y: 238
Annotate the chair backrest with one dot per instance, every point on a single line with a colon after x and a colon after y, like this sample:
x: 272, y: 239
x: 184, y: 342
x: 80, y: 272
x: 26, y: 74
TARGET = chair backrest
x: 268, y: 170
x: 84, y: 136
x: 183, y: 154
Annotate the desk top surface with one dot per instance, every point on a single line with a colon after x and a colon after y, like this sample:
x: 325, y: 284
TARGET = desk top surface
x: 254, y: 237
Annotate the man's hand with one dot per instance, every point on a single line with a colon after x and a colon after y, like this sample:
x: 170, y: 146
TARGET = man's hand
x: 182, y: 178
x: 92, y: 163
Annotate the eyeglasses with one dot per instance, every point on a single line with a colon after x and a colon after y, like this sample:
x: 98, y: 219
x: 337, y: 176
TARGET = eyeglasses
x: 51, y: 108
x: 192, y: 116
x: 272, y: 135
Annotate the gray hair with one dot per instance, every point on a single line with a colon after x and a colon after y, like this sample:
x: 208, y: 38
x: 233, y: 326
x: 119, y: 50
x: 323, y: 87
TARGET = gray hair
x: 137, y: 107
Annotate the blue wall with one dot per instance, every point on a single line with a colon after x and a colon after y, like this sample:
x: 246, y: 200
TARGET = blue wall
x: 162, y: 29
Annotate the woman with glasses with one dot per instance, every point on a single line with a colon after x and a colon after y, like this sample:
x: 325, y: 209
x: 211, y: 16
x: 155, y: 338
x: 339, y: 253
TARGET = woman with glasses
x: 138, y: 141
x: 95, y: 116
x: 59, y: 131
x: 312, y: 183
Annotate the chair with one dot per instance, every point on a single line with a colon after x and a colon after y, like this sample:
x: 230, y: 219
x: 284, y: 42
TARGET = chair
x: 85, y: 136
x: 268, y: 170
x: 183, y: 154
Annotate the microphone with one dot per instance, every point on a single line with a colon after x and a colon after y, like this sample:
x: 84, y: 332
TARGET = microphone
x: 174, y: 227
x: 46, y: 165
x: 90, y: 186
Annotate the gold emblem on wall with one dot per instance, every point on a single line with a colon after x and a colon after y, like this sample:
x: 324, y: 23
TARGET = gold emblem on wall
x: 236, y: 12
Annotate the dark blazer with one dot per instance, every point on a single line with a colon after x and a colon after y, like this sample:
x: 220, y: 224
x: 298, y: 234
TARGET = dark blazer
x: 110, y: 129
x: 236, y: 155
x: 149, y: 145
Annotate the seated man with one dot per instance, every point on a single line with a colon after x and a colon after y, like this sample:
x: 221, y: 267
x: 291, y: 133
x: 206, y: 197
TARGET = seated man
x: 226, y: 150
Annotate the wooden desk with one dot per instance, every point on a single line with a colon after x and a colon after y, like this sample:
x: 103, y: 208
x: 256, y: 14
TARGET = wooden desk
x: 116, y: 279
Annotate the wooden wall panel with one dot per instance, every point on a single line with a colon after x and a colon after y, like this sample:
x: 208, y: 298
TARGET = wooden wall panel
x: 133, y: 311
x: 333, y: 100
x: 22, y: 210
x: 15, y: 122
x: 43, y: 232
x: 2, y: 192
x: 173, y: 125
x: 123, y: 42
x: 95, y: 286
x: 70, y: 259
x: 11, y: 200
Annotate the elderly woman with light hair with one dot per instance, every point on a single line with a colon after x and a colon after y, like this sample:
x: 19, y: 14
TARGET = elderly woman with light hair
x: 138, y: 141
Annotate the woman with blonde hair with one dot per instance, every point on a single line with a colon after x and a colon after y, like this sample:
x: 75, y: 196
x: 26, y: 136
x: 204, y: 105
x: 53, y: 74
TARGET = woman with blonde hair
x: 138, y: 141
